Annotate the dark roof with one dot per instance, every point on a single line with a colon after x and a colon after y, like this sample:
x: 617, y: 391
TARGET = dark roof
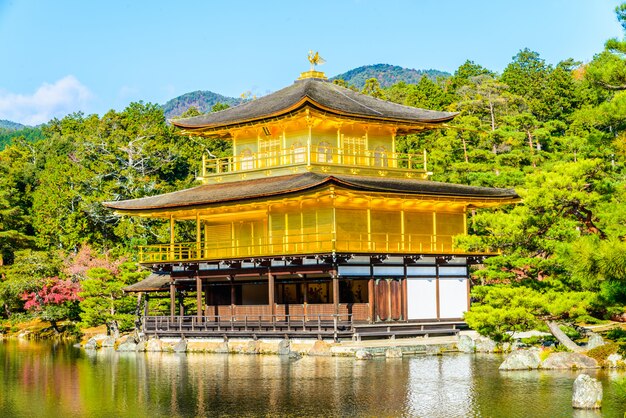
x: 153, y: 283
x: 275, y: 186
x: 317, y: 93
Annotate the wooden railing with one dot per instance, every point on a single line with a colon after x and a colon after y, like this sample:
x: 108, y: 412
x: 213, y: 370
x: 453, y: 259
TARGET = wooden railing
x: 299, y: 245
x: 329, y: 324
x: 318, y: 154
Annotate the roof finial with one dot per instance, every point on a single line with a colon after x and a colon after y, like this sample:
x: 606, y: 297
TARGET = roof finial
x: 315, y: 59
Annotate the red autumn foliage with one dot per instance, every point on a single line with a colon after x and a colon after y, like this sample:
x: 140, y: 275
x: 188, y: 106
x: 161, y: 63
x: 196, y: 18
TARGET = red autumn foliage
x: 54, y: 292
x: 85, y: 259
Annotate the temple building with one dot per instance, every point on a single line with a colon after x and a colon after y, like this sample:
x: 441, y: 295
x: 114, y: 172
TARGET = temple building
x: 315, y: 224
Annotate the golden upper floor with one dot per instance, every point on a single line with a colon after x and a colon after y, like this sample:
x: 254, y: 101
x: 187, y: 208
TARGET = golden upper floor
x: 313, y: 125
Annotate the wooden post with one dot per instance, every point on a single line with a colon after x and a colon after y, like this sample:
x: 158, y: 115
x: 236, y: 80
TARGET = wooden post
x: 172, y: 299
x: 270, y: 294
x: 199, y: 296
x: 437, y: 285
x: 370, y: 299
x: 405, y: 305
x: 336, y: 293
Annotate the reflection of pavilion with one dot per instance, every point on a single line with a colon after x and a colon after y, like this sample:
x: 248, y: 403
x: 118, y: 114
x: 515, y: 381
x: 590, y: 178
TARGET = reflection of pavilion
x: 314, y: 223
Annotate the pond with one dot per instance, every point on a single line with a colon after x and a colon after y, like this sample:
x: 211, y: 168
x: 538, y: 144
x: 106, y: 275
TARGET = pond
x: 42, y: 379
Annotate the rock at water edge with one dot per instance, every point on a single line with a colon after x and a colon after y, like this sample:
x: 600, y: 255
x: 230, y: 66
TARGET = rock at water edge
x: 393, y: 352
x: 154, y: 344
x: 108, y: 342
x: 180, y: 346
x: 615, y: 360
x: 595, y: 340
x: 521, y: 360
x: 320, y: 348
x: 466, y: 344
x: 284, y: 347
x: 485, y: 345
x: 363, y: 355
x: 128, y: 345
x: 587, y: 393
x: 569, y: 361
x: 92, y: 344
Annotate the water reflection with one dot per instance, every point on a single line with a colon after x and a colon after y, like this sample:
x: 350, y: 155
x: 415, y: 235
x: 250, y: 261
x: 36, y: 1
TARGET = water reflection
x: 40, y: 379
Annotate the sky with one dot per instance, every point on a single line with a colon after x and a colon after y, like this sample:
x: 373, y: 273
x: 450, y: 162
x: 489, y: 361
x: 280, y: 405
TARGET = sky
x: 62, y: 56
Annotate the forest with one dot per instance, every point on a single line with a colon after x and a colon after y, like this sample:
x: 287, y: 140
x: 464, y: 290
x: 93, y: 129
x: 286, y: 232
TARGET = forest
x: 554, y: 132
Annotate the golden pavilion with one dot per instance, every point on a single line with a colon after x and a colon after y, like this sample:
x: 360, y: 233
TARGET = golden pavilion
x: 315, y: 225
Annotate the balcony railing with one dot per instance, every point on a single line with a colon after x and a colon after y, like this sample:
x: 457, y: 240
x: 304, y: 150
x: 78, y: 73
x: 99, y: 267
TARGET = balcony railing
x: 315, y: 155
x: 299, y: 245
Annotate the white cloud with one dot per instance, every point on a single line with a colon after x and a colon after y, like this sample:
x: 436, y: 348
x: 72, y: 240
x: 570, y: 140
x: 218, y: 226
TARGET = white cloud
x: 64, y: 96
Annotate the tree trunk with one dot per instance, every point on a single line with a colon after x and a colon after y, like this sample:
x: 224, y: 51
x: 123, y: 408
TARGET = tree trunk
x: 563, y: 339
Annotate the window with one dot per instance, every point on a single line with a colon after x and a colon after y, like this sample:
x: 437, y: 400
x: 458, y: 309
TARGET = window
x: 247, y: 160
x: 324, y: 152
x: 380, y: 157
x: 269, y: 152
x: 353, y: 148
x: 299, y: 153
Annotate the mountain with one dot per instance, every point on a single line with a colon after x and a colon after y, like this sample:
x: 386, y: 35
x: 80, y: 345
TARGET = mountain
x: 387, y: 75
x: 203, y: 100
x: 12, y: 126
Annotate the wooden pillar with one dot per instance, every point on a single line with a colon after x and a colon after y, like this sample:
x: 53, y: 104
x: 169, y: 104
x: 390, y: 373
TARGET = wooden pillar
x: 199, y: 296
x: 370, y: 299
x: 146, y: 305
x: 437, y: 285
x: 405, y: 305
x: 469, y: 285
x: 335, y: 293
x: 270, y: 293
x: 305, y: 297
x: 207, y: 299
x: 172, y: 299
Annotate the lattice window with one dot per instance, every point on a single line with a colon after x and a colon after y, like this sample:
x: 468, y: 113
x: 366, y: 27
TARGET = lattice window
x: 353, y: 149
x: 247, y: 159
x: 269, y: 152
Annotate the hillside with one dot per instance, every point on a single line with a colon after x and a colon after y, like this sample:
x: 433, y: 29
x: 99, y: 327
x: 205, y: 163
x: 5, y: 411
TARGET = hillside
x: 387, y: 75
x: 203, y: 100
x: 9, y: 125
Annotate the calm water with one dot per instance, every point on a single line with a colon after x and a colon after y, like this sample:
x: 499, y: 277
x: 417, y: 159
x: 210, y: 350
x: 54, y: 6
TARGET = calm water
x: 48, y: 380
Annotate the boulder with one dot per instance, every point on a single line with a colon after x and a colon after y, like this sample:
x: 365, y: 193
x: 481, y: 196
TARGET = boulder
x: 363, y: 355
x: 252, y: 347
x: 108, y: 342
x: 615, y: 360
x: 587, y: 393
x: 128, y: 345
x: 595, y: 340
x: 154, y: 344
x: 180, y: 346
x: 466, y: 344
x: 485, y: 345
x: 222, y: 348
x: 92, y: 344
x: 320, y: 348
x: 521, y: 360
x: 284, y: 347
x: 568, y: 361
x: 393, y: 352
x: 141, y: 346
x: 294, y: 355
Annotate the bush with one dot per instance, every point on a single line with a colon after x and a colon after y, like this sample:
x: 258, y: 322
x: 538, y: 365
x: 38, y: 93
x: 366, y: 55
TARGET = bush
x: 602, y: 352
x: 616, y: 334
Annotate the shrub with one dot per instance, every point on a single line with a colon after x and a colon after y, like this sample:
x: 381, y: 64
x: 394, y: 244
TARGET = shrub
x: 602, y: 352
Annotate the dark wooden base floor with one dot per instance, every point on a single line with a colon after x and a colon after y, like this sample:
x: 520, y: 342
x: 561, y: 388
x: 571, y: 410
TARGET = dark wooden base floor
x: 335, y: 327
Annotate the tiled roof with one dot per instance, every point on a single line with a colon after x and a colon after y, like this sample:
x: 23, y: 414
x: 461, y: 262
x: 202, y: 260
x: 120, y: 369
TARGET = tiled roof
x: 317, y: 93
x: 275, y: 186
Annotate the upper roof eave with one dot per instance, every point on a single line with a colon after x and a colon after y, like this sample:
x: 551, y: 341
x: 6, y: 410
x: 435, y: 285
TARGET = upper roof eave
x: 318, y: 94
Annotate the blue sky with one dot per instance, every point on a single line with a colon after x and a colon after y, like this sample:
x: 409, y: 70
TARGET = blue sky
x: 63, y: 56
